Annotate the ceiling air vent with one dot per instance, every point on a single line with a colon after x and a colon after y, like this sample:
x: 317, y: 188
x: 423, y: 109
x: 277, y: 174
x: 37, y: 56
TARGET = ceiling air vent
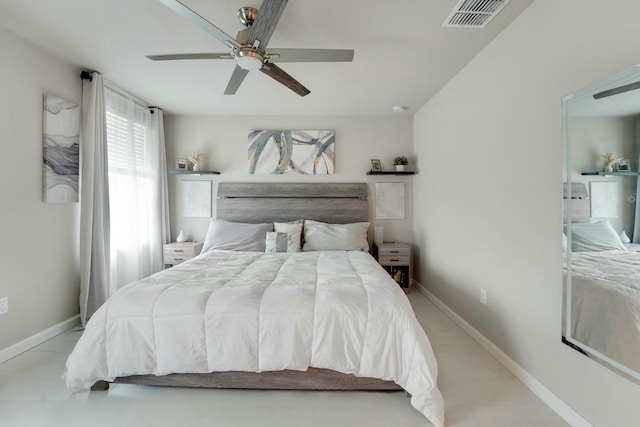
x: 474, y: 13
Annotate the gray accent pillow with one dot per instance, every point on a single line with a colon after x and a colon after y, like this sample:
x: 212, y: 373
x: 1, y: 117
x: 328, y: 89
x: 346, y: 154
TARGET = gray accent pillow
x: 276, y: 242
x: 235, y: 236
x: 294, y: 233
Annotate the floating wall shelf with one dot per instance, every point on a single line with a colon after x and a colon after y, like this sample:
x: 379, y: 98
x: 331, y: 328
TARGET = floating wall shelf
x: 391, y: 173
x: 610, y: 173
x: 189, y: 172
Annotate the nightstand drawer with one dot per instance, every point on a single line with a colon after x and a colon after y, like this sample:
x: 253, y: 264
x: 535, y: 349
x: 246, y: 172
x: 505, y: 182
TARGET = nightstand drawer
x: 175, y: 259
x: 393, y: 259
x: 388, y: 250
x: 182, y: 250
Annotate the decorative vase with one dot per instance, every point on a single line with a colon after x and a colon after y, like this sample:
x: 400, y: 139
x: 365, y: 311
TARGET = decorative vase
x: 608, y: 168
x: 399, y: 168
x: 624, y: 238
x: 196, y: 167
x: 181, y: 237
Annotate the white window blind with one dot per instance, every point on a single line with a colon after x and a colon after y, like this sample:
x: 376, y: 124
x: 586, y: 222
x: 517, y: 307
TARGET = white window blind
x: 126, y: 128
x: 131, y: 187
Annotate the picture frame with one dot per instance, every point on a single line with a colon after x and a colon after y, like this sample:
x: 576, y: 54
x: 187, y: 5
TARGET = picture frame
x: 623, y: 166
x: 376, y: 165
x: 182, y: 164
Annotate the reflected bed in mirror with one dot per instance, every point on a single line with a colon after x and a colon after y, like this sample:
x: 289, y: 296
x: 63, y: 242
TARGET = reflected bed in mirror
x: 601, y: 298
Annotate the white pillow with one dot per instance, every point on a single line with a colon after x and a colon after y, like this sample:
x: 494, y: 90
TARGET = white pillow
x: 235, y: 236
x: 294, y: 233
x: 595, y: 236
x: 320, y: 236
x: 276, y: 242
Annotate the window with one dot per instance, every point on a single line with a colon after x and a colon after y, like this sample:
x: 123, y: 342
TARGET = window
x: 131, y: 186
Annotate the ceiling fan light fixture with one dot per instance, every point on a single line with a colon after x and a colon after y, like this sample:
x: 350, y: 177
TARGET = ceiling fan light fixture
x: 246, y: 15
x: 249, y: 59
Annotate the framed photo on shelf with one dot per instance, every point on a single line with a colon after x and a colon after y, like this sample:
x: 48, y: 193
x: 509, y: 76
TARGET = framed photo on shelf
x: 623, y: 166
x: 375, y: 165
x: 182, y: 164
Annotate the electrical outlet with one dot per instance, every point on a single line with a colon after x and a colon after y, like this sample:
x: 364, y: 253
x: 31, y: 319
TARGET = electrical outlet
x: 4, y: 305
x: 483, y: 296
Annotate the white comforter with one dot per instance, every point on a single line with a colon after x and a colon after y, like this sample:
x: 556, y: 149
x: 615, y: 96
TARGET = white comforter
x: 605, y: 304
x: 252, y: 311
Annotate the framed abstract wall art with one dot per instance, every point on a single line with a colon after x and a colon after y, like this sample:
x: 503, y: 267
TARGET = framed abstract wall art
x: 291, y: 152
x: 196, y: 199
x: 61, y: 150
x: 390, y: 200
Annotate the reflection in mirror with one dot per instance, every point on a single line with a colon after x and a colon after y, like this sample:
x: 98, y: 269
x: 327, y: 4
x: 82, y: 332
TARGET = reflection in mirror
x: 601, y: 231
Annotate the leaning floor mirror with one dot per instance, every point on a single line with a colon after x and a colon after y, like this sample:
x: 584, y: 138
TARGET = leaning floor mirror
x: 601, y: 229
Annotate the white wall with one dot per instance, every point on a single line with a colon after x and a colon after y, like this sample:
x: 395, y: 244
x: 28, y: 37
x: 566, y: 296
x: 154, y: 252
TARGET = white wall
x: 223, y: 142
x: 39, y: 251
x: 494, y: 222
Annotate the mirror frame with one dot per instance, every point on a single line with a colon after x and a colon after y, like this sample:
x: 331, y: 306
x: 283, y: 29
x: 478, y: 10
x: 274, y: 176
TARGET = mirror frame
x: 630, y: 75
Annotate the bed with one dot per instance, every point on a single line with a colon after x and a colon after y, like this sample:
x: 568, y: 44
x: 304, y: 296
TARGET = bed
x: 604, y: 296
x: 323, y: 318
x: 605, y: 304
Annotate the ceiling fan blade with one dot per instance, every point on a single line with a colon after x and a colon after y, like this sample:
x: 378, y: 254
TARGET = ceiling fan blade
x: 236, y: 80
x: 266, y: 21
x: 192, y: 16
x: 311, y: 55
x: 179, y: 56
x: 277, y: 73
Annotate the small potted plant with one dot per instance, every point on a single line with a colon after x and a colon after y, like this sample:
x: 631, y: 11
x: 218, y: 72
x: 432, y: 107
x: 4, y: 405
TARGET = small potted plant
x: 400, y: 162
x: 610, y: 159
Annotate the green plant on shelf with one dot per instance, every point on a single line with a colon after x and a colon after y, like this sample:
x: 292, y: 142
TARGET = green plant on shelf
x: 400, y: 160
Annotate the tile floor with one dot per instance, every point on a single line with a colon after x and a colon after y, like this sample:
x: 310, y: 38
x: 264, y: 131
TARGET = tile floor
x: 478, y: 392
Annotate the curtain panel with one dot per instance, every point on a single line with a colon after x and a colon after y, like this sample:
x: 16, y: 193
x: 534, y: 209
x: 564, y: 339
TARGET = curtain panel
x: 94, y: 200
x: 124, y: 193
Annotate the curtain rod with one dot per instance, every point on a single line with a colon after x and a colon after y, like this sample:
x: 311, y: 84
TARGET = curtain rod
x: 85, y: 75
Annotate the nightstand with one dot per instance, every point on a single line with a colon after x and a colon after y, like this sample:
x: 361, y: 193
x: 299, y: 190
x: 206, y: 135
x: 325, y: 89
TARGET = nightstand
x: 176, y: 253
x: 396, y: 259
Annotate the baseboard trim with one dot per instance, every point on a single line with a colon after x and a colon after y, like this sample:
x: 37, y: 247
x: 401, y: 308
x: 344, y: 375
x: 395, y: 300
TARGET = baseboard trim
x: 553, y: 401
x: 34, y: 340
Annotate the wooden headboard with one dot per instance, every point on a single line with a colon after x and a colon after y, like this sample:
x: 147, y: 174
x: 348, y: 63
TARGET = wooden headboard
x: 257, y: 202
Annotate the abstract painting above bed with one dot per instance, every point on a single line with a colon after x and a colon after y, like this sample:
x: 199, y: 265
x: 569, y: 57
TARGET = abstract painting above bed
x: 291, y: 152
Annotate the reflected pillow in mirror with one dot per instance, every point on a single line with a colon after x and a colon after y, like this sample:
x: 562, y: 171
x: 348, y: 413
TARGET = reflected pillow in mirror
x: 595, y: 236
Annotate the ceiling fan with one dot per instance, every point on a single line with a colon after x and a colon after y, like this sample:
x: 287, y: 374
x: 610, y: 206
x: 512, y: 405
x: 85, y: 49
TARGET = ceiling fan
x: 248, y: 49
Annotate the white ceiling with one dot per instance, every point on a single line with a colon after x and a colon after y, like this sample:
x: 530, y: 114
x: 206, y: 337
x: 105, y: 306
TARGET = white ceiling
x: 403, y: 55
